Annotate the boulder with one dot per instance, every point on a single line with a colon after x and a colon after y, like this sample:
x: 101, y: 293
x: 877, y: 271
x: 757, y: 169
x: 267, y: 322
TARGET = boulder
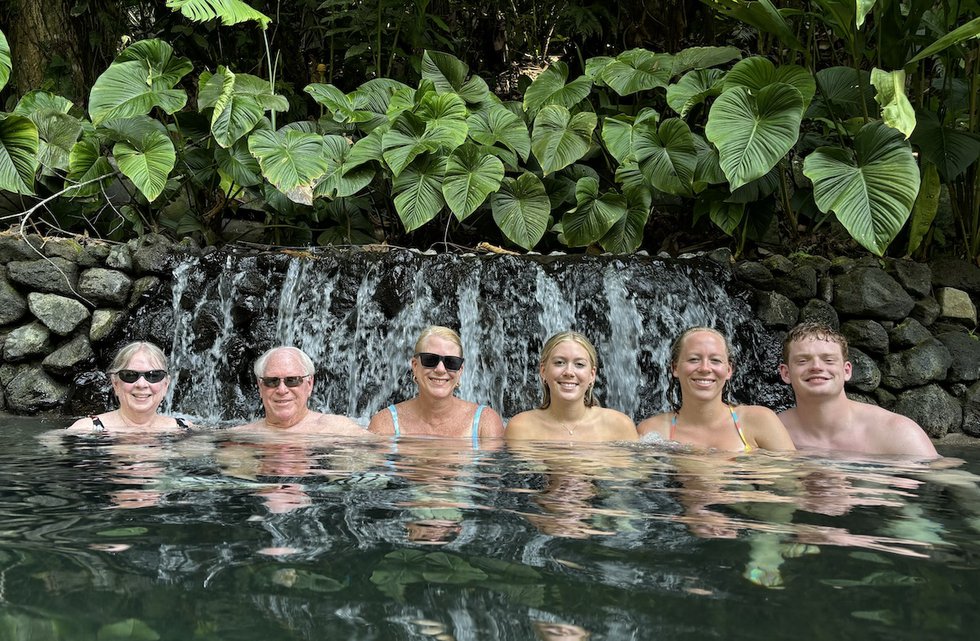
x: 928, y: 361
x: 819, y: 311
x: 14, y: 247
x: 915, y: 277
x: 932, y: 408
x: 59, y: 314
x: 55, y: 275
x: 798, y: 285
x: 119, y: 258
x: 106, y: 286
x: 926, y: 311
x: 152, y: 253
x: 871, y: 293
x: 908, y: 333
x: 72, y: 355
x: 955, y: 306
x: 865, y: 375
x: 755, y: 274
x: 67, y: 248
x: 775, y: 310
x: 971, y: 410
x: 94, y: 254
x: 12, y: 304
x: 32, y: 390
x: 965, y: 351
x: 952, y: 272
x: 27, y: 341
x: 867, y: 335
x: 143, y: 289
x: 104, y: 323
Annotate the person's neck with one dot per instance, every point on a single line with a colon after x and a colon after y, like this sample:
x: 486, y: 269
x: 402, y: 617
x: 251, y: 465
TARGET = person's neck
x: 136, y: 419
x: 432, y: 409
x: 566, y: 413
x: 704, y: 413
x: 292, y: 421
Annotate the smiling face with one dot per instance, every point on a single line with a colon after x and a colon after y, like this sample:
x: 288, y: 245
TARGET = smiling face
x: 437, y: 382
x: 141, y: 397
x: 568, y: 371
x: 702, y: 367
x: 815, y: 367
x: 285, y: 406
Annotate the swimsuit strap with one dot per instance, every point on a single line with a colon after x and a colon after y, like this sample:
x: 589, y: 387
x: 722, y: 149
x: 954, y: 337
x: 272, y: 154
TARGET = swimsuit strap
x: 476, y: 426
x: 673, y: 426
x: 97, y: 423
x: 182, y: 424
x: 394, y: 418
x: 738, y: 428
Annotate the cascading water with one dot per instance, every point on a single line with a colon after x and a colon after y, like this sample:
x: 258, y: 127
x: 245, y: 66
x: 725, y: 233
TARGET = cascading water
x: 358, y: 314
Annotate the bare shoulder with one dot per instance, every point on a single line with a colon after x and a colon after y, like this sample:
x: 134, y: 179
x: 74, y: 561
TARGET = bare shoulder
x: 620, y: 426
x: 524, y: 426
x: 659, y: 424
x: 764, y: 427
x: 891, y: 433
x: 382, y: 423
x: 81, y: 426
x: 789, y: 417
x: 491, y: 425
x: 337, y: 424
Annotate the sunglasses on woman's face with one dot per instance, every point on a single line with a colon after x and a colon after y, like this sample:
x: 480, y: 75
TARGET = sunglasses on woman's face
x: 133, y: 375
x: 290, y: 381
x: 431, y: 361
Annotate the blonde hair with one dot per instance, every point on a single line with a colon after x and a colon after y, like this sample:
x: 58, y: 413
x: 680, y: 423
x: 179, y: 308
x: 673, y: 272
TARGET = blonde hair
x: 124, y: 355
x: 550, y: 346
x: 440, y: 332
x: 673, y: 395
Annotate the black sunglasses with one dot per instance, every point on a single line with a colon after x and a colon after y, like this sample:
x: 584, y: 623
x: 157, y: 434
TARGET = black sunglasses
x: 430, y: 361
x: 290, y: 381
x: 133, y: 375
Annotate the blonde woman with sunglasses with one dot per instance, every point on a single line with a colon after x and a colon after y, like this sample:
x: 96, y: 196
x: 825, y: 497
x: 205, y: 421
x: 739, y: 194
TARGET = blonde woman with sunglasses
x: 437, y: 367
x: 139, y: 380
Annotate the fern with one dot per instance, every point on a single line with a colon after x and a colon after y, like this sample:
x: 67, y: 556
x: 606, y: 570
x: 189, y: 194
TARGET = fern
x: 229, y: 11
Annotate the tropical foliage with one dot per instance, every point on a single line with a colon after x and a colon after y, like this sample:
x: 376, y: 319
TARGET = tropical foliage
x: 754, y: 143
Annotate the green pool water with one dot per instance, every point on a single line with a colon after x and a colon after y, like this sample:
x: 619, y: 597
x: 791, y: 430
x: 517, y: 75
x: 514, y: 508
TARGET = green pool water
x: 208, y: 538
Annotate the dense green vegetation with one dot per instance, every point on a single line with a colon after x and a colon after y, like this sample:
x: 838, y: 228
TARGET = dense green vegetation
x: 858, y: 113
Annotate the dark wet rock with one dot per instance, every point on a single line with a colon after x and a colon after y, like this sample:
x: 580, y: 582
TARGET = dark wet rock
x: 908, y: 333
x: 860, y: 397
x: 932, y: 408
x: 775, y: 310
x: 94, y: 254
x: 965, y: 350
x: 120, y: 257
x: 55, y: 275
x: 865, y: 375
x: 105, y: 286
x: 7, y: 373
x: 89, y: 393
x: 825, y: 289
x: 955, y: 306
x: 971, y: 410
x: 871, y: 293
x: 819, y: 311
x: 841, y: 265
x: 12, y: 304
x: 722, y: 256
x: 884, y: 398
x: 952, y: 272
x: 27, y: 341
x: 59, y: 314
x: 755, y: 274
x: 928, y: 361
x: 867, y: 335
x: 819, y: 264
x: 105, y: 322
x: 33, y: 390
x: 74, y: 354
x: 143, y: 289
x: 67, y: 248
x: 14, y: 247
x: 915, y: 277
x: 799, y: 285
x: 925, y: 310
x: 152, y: 253
x: 779, y: 265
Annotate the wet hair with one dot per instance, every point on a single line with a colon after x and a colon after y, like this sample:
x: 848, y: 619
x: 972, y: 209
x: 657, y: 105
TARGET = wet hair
x: 261, y: 361
x: 124, y: 355
x: 811, y: 330
x: 440, y: 332
x: 546, y: 351
x: 673, y: 389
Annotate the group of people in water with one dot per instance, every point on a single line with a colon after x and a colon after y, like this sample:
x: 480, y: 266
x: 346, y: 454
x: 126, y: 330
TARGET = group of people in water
x: 814, y: 362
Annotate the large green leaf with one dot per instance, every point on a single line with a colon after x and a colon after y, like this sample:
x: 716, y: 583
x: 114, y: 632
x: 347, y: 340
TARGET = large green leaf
x: 497, y: 124
x: 725, y: 215
x: 447, y: 72
x: 521, y: 208
x: 638, y: 70
x: 57, y: 130
x: 418, y: 191
x: 34, y: 101
x: 344, y: 108
x: 926, y: 206
x: 85, y: 163
x: 896, y: 110
x: 18, y: 153
x: 694, y: 88
x: 549, y: 88
x: 142, y: 77
x: 965, y: 32
x: 844, y: 93
x: 234, y: 114
x: 707, y: 171
x: 367, y: 149
x: 374, y: 96
x: 559, y: 138
x: 667, y: 156
x: 757, y: 72
x: 870, y: 189
x: 471, y: 176
x: 702, y: 58
x: 951, y: 150
x: 5, y: 65
x: 341, y: 179
x: 237, y: 165
x: 626, y: 234
x: 404, y: 141
x: 762, y: 15
x: 594, y: 215
x: 754, y: 131
x: 146, y: 162
x: 619, y: 132
x: 289, y: 159
x: 445, y: 120
x: 228, y: 11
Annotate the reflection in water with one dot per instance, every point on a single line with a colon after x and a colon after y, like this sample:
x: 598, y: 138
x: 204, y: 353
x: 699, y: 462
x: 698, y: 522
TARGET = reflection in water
x: 427, y: 538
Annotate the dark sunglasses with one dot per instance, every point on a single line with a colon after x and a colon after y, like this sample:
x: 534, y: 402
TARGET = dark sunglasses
x: 430, y: 361
x: 290, y: 381
x: 132, y: 375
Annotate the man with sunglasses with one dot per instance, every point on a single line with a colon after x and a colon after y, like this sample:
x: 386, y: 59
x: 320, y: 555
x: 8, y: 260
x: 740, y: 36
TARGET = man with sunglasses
x: 285, y: 380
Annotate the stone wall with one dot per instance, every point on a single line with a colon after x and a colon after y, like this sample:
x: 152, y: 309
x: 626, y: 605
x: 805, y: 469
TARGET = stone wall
x: 910, y: 325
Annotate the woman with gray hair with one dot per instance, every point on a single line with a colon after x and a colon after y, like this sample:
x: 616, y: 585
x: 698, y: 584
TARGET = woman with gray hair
x: 140, y: 380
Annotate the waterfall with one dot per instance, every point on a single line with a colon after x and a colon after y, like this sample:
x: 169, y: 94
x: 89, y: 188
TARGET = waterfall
x: 357, y: 315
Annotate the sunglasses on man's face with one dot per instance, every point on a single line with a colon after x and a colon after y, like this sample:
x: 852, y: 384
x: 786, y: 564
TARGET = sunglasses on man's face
x: 431, y: 361
x: 290, y: 381
x: 133, y: 375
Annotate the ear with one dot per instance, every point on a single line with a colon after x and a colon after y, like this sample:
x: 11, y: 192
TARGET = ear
x: 784, y: 372
x: 847, y: 370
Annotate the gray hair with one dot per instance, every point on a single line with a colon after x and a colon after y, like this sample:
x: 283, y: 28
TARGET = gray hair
x: 124, y: 355
x: 306, y: 361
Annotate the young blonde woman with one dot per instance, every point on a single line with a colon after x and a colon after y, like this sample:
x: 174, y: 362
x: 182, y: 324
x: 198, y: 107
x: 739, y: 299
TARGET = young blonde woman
x: 568, y: 410
x: 700, y: 367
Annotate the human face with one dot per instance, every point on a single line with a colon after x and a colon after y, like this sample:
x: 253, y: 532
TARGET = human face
x: 702, y: 367
x: 437, y: 381
x: 141, y: 397
x: 568, y: 371
x: 816, y: 367
x: 285, y: 406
